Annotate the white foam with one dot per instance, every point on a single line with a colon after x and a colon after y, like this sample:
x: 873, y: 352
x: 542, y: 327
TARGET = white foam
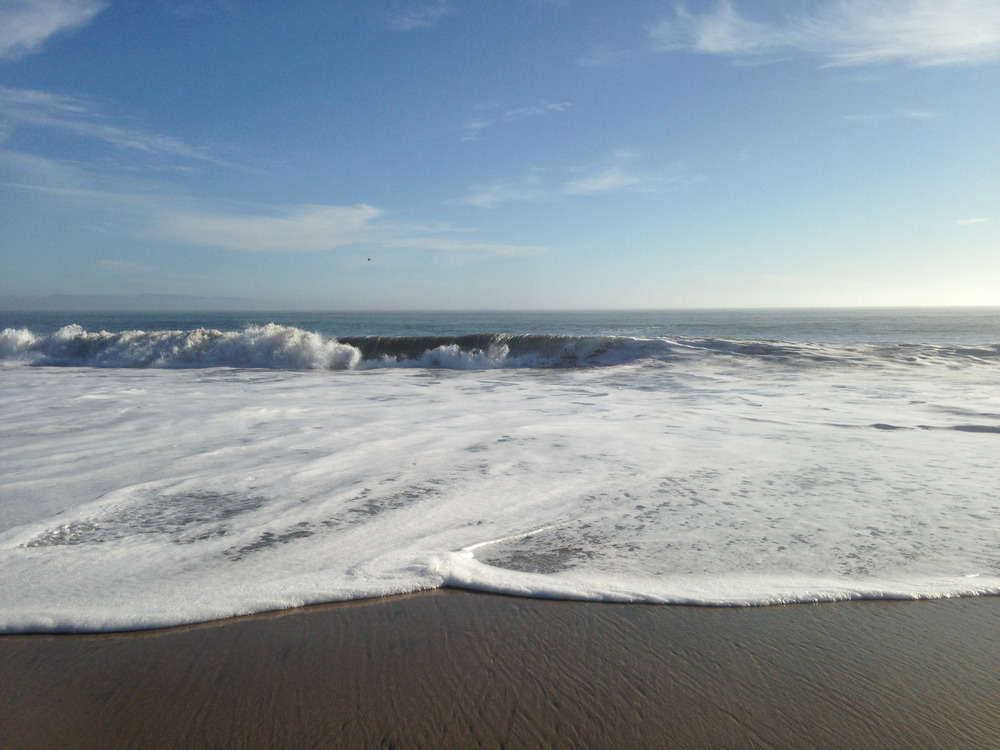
x: 139, y: 498
x: 16, y: 344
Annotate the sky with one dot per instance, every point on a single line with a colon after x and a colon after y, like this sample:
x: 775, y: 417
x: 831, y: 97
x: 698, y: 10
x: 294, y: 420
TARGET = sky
x: 503, y: 154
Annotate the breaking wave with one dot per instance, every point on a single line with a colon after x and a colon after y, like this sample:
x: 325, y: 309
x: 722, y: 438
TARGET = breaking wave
x: 288, y: 348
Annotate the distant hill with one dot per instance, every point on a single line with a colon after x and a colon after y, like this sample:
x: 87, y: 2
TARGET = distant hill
x: 127, y: 303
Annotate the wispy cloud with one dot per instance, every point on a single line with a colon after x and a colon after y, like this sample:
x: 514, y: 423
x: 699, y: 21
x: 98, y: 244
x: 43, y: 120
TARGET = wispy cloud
x: 303, y: 228
x: 462, y: 246
x: 316, y: 228
x: 20, y: 103
x: 521, y: 113
x: 25, y: 25
x: 528, y: 188
x: 844, y: 33
x: 472, y: 128
x: 600, y: 57
x: 189, y: 10
x: 615, y: 179
x: 29, y: 169
x: 722, y: 31
x: 307, y: 228
x: 616, y: 174
x: 43, y: 109
x: 967, y: 222
x: 419, y: 16
x: 909, y: 114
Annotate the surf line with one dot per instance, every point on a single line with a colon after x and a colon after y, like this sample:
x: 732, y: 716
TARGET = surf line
x: 470, y: 550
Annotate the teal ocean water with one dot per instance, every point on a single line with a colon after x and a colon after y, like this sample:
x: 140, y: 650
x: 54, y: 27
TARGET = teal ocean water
x: 874, y: 325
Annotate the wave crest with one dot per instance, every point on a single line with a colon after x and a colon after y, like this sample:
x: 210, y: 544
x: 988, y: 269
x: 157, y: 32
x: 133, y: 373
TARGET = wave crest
x: 269, y: 346
x: 279, y: 347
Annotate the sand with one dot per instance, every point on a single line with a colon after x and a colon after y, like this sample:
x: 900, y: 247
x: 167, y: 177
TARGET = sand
x: 456, y: 669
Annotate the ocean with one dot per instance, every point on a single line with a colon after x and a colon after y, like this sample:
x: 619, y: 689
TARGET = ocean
x: 161, y: 469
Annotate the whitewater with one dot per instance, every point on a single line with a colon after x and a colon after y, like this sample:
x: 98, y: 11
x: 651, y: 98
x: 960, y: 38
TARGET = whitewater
x: 161, y: 470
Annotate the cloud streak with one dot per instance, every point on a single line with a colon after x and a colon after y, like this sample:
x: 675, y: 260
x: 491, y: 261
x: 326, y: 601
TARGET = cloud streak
x: 419, y: 17
x: 25, y: 25
x: 318, y: 228
x: 306, y: 228
x: 43, y: 109
x: 618, y: 176
x: 303, y: 228
x: 473, y: 128
x: 844, y: 33
x: 615, y: 179
x: 120, y: 205
x: 504, y: 191
x: 909, y: 114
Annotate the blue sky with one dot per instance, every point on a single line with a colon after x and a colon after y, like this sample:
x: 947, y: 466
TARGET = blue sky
x: 494, y: 154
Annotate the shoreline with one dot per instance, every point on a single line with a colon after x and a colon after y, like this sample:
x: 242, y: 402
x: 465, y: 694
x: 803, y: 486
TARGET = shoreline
x: 449, y: 668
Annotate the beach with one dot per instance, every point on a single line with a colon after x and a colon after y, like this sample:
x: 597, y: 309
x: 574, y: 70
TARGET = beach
x: 458, y: 669
x: 440, y: 374
x: 733, y: 530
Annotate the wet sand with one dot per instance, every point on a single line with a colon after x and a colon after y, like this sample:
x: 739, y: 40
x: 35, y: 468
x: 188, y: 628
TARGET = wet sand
x: 455, y: 669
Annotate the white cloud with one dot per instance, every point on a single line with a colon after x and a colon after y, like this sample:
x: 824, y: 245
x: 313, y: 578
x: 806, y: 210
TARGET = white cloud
x: 25, y: 25
x: 845, y: 33
x: 419, y: 17
x: 967, y: 222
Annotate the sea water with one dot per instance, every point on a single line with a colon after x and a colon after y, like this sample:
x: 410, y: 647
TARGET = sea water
x: 159, y: 469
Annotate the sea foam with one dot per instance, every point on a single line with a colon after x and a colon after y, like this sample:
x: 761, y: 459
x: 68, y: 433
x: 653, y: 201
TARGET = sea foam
x: 704, y: 471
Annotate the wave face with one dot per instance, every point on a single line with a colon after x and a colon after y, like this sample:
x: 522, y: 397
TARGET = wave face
x: 279, y: 347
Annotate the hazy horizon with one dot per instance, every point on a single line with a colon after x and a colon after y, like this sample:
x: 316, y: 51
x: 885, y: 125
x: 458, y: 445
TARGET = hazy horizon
x: 178, y: 303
